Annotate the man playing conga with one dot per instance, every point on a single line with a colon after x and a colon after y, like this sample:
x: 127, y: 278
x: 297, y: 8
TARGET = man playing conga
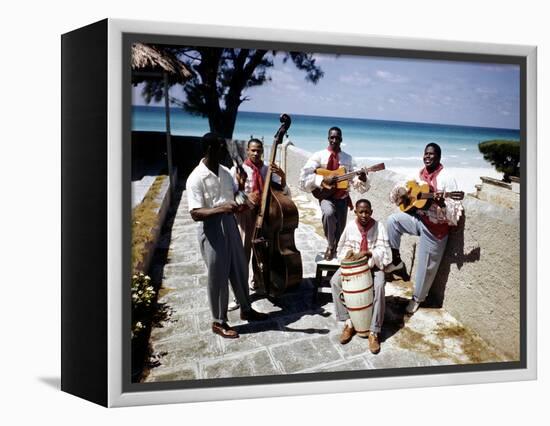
x: 363, y: 237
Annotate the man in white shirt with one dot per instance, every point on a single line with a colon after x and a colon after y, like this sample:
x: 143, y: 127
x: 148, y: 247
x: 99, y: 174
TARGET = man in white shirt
x: 364, y: 237
x: 432, y: 225
x: 210, y: 191
x: 335, y: 209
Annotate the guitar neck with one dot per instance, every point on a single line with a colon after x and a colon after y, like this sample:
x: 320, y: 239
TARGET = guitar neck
x: 430, y: 195
x: 350, y: 175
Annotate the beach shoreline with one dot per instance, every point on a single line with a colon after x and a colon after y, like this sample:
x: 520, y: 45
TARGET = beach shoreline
x: 466, y: 177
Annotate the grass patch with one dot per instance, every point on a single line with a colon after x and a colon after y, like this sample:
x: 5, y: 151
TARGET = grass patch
x: 472, y: 346
x: 417, y: 342
x: 472, y: 349
x: 144, y: 219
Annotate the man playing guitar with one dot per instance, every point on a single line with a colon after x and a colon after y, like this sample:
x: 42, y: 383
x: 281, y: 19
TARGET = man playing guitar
x: 431, y: 225
x: 335, y: 208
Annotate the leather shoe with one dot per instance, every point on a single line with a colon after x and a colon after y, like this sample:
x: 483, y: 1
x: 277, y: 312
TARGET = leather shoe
x: 224, y: 330
x: 253, y: 315
x: 347, y: 334
x: 374, y: 344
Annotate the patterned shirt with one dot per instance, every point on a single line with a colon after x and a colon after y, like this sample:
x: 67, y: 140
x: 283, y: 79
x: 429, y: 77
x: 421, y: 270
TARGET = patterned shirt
x: 450, y: 214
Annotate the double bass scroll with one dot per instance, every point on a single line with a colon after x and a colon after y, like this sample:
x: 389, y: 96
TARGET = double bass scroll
x: 277, y: 264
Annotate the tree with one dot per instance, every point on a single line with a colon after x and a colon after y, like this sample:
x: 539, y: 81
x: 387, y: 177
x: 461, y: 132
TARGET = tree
x: 502, y: 154
x: 222, y: 76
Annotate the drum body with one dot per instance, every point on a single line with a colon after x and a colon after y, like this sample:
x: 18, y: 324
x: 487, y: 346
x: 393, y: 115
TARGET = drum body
x: 358, y: 293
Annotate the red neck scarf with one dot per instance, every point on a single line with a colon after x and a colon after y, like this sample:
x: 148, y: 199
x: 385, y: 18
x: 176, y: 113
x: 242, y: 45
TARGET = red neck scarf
x: 364, y: 230
x: 431, y: 178
x: 257, y: 179
x: 334, y: 160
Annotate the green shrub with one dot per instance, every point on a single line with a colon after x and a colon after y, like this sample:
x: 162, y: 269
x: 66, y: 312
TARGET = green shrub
x: 502, y: 154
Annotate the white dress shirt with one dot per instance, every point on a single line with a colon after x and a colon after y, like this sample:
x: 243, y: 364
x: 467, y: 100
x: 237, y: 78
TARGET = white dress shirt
x: 309, y: 180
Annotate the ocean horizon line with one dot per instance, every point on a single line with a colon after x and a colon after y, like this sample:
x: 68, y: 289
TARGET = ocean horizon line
x: 326, y: 117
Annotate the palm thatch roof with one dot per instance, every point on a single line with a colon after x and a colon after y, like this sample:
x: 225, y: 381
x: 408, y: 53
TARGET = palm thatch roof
x: 149, y: 61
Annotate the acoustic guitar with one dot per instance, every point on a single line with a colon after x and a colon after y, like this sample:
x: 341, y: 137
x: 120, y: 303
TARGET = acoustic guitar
x: 419, y: 196
x: 342, y: 179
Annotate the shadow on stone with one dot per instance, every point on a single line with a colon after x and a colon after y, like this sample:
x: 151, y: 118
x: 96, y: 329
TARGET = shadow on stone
x: 454, y: 254
x: 294, y: 304
x: 394, y: 316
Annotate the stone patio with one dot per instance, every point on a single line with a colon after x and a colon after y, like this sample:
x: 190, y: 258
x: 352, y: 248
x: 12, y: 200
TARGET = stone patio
x: 301, y: 335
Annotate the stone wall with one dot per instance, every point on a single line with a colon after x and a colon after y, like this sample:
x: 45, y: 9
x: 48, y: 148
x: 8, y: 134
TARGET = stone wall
x: 478, y: 280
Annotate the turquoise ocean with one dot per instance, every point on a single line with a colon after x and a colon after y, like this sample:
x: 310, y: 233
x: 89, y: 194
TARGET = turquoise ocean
x: 398, y: 144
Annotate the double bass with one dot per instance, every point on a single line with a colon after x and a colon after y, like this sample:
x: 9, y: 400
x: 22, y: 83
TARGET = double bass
x: 277, y: 264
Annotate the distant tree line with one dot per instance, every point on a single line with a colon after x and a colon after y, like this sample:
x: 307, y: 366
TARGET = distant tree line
x: 503, y: 155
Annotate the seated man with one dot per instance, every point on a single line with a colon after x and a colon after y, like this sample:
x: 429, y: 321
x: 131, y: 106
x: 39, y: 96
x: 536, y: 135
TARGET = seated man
x: 364, y: 237
x: 431, y: 225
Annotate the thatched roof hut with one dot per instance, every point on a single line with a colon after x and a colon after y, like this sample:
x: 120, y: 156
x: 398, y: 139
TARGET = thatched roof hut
x: 150, y: 62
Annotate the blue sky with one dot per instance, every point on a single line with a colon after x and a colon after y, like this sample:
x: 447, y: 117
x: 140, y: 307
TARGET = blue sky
x: 446, y: 92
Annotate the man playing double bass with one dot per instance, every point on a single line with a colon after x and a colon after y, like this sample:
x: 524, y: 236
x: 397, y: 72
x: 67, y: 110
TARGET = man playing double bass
x: 334, y: 209
x: 252, y: 183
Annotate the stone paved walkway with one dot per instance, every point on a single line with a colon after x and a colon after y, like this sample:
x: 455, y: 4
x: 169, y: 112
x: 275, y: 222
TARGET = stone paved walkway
x: 302, y: 333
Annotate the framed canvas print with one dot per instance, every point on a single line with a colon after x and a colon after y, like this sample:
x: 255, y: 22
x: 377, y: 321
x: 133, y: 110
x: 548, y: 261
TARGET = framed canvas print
x: 251, y: 213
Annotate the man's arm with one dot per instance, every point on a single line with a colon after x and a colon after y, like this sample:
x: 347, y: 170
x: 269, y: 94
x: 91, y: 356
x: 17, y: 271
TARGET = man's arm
x: 361, y: 181
x: 308, y: 179
x: 203, y: 213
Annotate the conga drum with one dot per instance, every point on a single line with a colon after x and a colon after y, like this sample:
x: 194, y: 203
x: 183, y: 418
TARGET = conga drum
x: 358, y: 293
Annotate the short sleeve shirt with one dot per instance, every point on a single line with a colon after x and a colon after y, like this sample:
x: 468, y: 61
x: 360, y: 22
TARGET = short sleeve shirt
x: 205, y: 189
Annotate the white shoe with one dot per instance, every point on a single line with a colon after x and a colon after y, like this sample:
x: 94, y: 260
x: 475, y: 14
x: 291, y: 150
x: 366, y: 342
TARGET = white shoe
x: 233, y: 306
x: 412, y: 307
x: 391, y: 267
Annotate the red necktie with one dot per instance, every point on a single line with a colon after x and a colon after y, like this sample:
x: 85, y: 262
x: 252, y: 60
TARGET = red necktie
x: 333, y: 161
x: 364, y: 230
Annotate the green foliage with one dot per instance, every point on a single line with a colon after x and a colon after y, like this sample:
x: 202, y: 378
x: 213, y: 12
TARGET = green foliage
x: 143, y: 296
x: 504, y: 155
x: 222, y: 76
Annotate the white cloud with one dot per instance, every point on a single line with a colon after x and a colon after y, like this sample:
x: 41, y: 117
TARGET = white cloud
x: 391, y: 77
x: 486, y: 91
x: 356, y: 79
